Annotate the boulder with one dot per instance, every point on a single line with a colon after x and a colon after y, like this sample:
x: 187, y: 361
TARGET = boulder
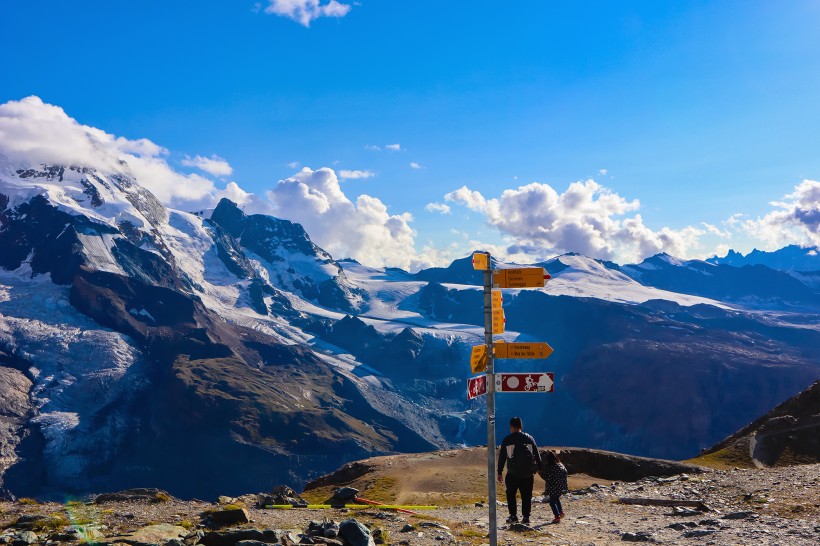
x: 354, y: 533
x: 229, y: 516
x: 231, y: 538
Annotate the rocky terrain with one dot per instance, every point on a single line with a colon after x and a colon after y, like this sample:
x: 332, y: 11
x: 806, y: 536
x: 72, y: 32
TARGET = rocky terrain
x: 740, y: 506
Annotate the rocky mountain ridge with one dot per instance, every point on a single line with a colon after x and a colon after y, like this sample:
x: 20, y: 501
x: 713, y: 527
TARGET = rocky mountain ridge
x: 131, y: 333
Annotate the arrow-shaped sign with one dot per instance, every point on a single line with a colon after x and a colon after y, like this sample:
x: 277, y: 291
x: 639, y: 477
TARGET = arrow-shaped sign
x: 478, y: 358
x: 522, y: 350
x: 498, y: 321
x: 525, y: 277
x: 497, y: 299
x: 524, y: 382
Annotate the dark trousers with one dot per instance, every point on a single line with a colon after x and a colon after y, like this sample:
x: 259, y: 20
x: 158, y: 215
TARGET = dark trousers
x: 524, y: 485
x: 555, y: 504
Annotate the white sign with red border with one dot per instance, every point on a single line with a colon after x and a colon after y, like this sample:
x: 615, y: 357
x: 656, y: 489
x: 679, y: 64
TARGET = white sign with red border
x: 476, y: 386
x: 524, y: 382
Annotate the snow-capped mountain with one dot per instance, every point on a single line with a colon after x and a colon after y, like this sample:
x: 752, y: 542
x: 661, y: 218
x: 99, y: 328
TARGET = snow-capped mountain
x: 789, y: 258
x: 141, y: 345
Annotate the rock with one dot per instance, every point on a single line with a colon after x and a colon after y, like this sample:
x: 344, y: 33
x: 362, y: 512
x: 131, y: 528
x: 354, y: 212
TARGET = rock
x: 520, y: 527
x: 281, y: 494
x: 151, y: 535
x: 355, y: 534
x: 640, y: 536
x: 682, y: 526
x: 230, y: 538
x: 251, y: 543
x: 28, y: 521
x: 331, y: 529
x: 684, y: 511
x: 740, y: 515
x: 328, y: 541
x: 224, y: 500
x: 699, y: 533
x: 434, y: 524
x: 26, y: 537
x: 407, y: 528
x: 230, y: 516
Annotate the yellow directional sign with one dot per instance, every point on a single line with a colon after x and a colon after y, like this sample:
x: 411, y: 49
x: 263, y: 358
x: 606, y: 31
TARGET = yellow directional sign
x: 478, y: 358
x: 498, y: 299
x: 498, y: 321
x: 525, y: 277
x: 522, y: 350
x: 481, y: 260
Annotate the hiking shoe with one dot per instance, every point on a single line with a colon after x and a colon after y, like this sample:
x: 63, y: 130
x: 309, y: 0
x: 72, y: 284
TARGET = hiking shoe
x: 525, y: 521
x: 512, y: 519
x: 561, y: 515
x: 557, y: 519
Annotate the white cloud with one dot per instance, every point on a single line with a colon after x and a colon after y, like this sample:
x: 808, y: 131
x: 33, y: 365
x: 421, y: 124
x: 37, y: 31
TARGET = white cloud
x: 294, y: 164
x: 437, y: 207
x: 33, y: 133
x: 355, y: 175
x: 587, y: 218
x: 214, y: 165
x: 795, y: 220
x: 363, y: 229
x: 305, y: 11
x: 372, y: 148
x: 602, y: 172
x: 393, y: 147
x: 414, y: 165
x: 714, y: 230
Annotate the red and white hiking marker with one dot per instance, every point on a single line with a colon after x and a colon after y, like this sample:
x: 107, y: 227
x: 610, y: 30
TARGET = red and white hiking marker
x: 476, y: 386
x: 524, y: 382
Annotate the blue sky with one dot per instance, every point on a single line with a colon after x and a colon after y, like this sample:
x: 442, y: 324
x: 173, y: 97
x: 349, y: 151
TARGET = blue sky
x: 698, y: 110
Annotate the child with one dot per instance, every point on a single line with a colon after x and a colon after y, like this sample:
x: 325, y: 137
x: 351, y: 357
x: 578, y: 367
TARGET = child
x: 555, y: 474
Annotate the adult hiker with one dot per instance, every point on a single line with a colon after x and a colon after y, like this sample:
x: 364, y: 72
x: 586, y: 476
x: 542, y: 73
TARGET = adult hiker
x: 555, y: 478
x: 520, y: 453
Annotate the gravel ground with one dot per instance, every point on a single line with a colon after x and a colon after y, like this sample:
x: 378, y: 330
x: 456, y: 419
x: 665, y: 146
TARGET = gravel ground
x: 754, y: 507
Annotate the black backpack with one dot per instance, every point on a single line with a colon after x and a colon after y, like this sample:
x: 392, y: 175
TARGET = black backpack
x: 522, y: 462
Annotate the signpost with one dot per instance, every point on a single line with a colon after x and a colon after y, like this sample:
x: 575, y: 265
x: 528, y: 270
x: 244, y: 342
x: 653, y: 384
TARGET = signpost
x: 482, y: 358
x: 524, y: 382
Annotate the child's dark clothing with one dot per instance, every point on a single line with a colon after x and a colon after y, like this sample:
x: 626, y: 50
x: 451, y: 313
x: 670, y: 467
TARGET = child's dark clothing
x: 556, y: 477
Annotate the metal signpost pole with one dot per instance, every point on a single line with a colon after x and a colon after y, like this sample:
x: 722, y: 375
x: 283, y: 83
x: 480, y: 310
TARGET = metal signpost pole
x: 491, y: 454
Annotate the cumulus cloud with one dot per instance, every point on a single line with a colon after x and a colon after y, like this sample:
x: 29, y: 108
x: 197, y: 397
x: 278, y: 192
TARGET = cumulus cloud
x: 305, y: 11
x: 363, y: 229
x: 414, y: 165
x: 355, y: 175
x: 393, y: 147
x: 437, y: 207
x: 795, y: 220
x: 214, y: 165
x: 372, y: 148
x: 33, y: 133
x: 294, y: 164
x: 587, y: 218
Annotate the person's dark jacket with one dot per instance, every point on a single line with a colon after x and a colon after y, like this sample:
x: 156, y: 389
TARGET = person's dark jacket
x: 510, y: 441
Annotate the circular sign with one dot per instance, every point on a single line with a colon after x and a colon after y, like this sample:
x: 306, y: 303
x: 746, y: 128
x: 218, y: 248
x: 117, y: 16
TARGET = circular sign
x: 512, y: 382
